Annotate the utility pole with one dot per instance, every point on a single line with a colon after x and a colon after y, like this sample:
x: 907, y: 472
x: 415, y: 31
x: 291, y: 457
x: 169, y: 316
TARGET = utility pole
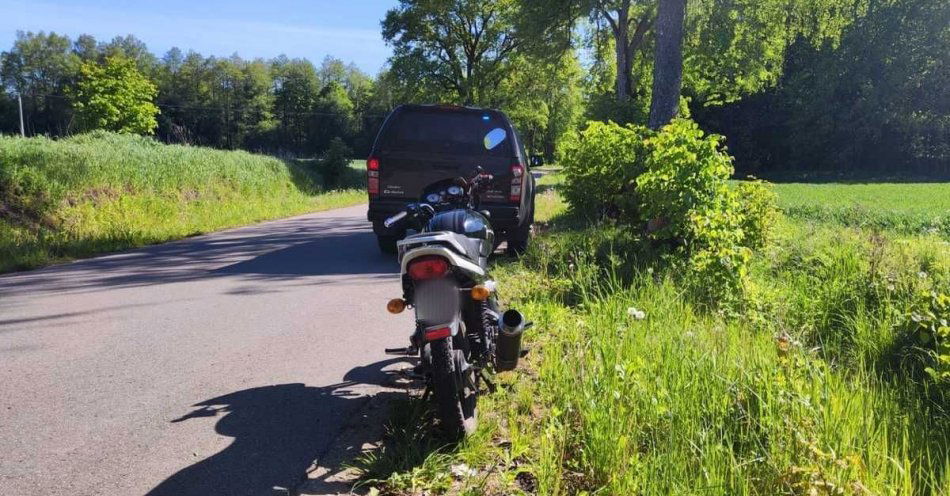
x: 19, y: 100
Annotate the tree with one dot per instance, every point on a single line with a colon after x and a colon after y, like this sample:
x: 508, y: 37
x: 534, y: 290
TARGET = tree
x: 461, y: 47
x: 40, y: 67
x: 732, y: 48
x: 297, y: 89
x: 668, y: 62
x: 629, y: 22
x: 877, y: 104
x: 115, y: 96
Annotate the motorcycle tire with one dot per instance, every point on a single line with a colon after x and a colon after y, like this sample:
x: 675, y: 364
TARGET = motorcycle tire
x: 454, y: 394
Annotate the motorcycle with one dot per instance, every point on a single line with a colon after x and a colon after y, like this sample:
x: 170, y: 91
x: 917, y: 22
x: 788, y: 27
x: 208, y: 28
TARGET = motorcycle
x: 461, y: 333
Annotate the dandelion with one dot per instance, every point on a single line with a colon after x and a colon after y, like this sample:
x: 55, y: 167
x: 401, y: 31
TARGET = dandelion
x: 636, y: 313
x: 922, y: 275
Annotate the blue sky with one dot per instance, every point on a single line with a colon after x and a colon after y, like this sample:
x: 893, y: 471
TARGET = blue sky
x: 346, y: 29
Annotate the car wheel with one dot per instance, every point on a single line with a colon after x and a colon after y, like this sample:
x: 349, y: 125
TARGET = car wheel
x: 387, y: 244
x: 518, y: 239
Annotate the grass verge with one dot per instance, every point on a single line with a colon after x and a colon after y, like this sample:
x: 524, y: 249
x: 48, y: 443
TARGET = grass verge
x: 101, y: 192
x: 631, y: 388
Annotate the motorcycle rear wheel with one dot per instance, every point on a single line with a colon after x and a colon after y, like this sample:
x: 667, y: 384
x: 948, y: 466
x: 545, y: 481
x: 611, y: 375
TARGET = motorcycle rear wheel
x: 453, y: 391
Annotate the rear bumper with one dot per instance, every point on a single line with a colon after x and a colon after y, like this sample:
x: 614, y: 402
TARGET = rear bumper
x: 502, y: 218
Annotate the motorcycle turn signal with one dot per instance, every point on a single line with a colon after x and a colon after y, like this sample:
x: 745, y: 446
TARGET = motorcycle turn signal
x: 396, y: 305
x: 480, y: 293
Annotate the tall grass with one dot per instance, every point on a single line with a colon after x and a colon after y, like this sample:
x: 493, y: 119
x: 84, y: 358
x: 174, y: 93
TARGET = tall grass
x: 817, y: 389
x: 99, y: 192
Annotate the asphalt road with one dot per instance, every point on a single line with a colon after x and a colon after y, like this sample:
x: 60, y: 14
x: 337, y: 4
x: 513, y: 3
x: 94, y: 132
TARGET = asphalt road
x: 218, y: 365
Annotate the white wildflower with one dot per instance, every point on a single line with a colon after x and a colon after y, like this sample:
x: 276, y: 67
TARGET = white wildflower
x: 462, y: 471
x: 636, y: 313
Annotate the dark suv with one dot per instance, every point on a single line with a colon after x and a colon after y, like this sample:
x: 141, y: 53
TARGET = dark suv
x: 421, y: 144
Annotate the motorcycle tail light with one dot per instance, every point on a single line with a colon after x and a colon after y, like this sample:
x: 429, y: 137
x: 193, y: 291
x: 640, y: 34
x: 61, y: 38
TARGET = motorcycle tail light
x: 429, y: 267
x: 439, y: 333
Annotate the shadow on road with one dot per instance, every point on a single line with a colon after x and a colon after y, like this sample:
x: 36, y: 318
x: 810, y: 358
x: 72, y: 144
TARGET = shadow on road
x: 275, y: 250
x: 278, y: 431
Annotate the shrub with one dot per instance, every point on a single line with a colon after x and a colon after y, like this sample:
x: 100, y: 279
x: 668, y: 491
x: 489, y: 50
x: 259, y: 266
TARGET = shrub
x: 933, y: 333
x: 685, y: 199
x: 672, y: 185
x: 758, y: 206
x: 335, y: 162
x: 600, y: 166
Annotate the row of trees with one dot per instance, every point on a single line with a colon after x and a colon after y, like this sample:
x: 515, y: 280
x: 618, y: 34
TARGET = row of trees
x: 789, y: 82
x: 280, y: 105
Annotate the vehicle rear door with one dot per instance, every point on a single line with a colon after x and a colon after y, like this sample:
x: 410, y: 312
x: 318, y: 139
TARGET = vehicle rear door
x: 423, y: 145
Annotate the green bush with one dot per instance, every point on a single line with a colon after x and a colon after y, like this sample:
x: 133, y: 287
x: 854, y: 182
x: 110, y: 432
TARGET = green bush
x: 933, y: 332
x: 335, y: 162
x: 600, y: 165
x: 672, y: 186
x: 758, y: 204
x: 685, y: 199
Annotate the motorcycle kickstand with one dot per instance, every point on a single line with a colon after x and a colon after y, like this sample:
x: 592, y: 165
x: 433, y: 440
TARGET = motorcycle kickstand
x: 488, y: 383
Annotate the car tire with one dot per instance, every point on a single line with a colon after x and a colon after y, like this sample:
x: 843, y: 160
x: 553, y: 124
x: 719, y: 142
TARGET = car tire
x: 387, y: 244
x: 518, y: 239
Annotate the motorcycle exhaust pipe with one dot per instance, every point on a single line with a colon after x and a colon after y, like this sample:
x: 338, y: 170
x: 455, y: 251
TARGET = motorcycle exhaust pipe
x: 508, y: 348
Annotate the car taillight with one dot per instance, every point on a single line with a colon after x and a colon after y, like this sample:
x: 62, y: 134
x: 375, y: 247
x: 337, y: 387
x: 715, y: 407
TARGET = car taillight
x: 517, y: 178
x: 372, y: 175
x: 429, y: 267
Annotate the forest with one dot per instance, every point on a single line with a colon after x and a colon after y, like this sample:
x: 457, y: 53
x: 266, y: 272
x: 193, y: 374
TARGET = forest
x: 799, y: 88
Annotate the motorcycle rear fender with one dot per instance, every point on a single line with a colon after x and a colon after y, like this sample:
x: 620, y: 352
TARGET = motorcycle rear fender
x: 456, y: 260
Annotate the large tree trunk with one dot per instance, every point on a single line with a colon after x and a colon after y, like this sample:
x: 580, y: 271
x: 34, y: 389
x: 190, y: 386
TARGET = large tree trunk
x: 668, y: 62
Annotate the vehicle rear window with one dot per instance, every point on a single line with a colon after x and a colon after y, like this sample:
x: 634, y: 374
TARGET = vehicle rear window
x: 465, y: 133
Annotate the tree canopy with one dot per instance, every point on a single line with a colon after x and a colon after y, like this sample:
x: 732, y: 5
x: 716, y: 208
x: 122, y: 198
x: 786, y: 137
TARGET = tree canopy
x: 114, y: 96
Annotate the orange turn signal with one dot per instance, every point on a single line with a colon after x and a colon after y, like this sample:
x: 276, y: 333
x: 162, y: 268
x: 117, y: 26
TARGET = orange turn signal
x: 396, y: 305
x: 480, y: 293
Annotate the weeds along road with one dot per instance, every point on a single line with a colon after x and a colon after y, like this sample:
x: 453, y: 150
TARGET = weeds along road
x: 222, y: 364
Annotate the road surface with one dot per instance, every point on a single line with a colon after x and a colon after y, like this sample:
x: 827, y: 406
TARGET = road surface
x: 217, y: 365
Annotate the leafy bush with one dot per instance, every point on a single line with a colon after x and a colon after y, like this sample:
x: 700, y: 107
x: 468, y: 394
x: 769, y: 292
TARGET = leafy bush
x: 758, y: 204
x: 673, y: 185
x: 335, y: 162
x: 600, y: 167
x: 933, y: 328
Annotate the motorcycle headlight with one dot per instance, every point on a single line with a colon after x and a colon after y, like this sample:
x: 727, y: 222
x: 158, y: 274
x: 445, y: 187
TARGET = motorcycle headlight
x: 433, y: 198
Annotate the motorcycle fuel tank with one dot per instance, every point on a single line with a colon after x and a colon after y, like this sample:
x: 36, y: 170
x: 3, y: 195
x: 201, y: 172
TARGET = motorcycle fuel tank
x: 467, y: 223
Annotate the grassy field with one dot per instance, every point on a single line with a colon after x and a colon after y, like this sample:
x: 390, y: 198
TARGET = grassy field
x: 817, y: 390
x: 906, y: 208
x: 90, y: 194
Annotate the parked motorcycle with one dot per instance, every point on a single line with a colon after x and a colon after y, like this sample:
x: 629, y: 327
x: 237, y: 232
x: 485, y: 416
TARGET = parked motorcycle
x: 461, y: 333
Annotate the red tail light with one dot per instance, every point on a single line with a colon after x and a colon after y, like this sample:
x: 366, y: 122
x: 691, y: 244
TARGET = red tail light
x: 517, y: 178
x: 429, y: 267
x: 433, y: 334
x: 372, y: 175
